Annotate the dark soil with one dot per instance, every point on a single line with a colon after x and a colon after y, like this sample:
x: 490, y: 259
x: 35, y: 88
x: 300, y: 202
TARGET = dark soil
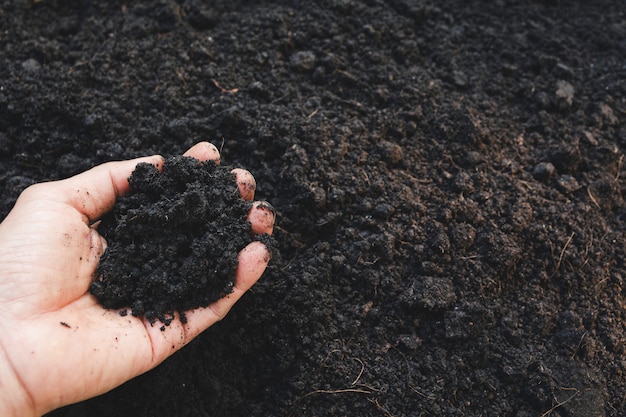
x: 448, y: 177
x: 173, y: 241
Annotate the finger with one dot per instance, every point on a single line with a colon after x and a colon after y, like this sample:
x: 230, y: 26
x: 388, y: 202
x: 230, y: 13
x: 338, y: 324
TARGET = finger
x: 262, y: 217
x: 204, y: 151
x: 95, y: 191
x: 245, y: 182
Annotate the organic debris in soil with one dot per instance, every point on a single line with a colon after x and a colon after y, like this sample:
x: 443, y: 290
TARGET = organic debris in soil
x: 173, y: 241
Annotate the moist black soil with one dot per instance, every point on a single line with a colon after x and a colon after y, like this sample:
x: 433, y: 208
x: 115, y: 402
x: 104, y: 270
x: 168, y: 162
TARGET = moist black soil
x: 448, y: 177
x: 173, y: 240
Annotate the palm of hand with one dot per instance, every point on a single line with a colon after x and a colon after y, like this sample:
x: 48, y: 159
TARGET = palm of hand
x: 60, y: 344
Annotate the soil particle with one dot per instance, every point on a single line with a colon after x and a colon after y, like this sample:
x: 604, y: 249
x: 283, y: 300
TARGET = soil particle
x: 173, y: 241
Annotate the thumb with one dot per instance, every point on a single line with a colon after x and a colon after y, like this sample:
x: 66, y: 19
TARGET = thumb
x: 94, y: 192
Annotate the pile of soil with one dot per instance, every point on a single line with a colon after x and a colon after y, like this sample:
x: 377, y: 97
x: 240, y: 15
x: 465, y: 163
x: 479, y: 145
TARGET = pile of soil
x: 448, y: 178
x: 173, y: 240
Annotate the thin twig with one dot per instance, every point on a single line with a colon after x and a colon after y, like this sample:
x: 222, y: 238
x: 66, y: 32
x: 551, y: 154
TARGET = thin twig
x: 560, y: 404
x: 336, y: 391
x: 593, y: 200
x: 380, y: 407
x: 580, y: 343
x: 558, y: 264
x: 360, y: 373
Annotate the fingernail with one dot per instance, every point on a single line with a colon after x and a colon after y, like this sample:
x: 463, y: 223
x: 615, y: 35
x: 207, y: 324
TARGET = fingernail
x: 267, y: 206
x: 245, y: 182
x: 262, y: 217
x: 270, y: 213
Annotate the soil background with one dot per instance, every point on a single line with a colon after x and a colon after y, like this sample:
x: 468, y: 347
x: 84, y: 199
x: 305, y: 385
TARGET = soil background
x: 448, y: 177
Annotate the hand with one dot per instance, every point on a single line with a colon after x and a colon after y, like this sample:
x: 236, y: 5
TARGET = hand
x: 57, y: 344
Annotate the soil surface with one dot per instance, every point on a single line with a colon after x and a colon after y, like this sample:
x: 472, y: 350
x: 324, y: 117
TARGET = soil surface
x: 448, y: 178
x: 173, y: 240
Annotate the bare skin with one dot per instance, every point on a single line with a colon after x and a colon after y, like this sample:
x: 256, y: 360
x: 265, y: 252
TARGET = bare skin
x: 57, y: 344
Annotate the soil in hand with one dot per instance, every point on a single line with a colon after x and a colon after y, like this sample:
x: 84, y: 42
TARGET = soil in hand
x: 173, y: 241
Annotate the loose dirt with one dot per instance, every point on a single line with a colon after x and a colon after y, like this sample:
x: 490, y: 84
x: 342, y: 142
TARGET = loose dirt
x: 173, y: 241
x: 448, y: 178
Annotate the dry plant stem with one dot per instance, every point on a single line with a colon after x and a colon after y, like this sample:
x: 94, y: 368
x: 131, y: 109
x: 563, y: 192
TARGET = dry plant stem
x: 562, y: 403
x: 562, y: 254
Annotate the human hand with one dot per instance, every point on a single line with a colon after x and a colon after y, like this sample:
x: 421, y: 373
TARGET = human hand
x: 57, y: 344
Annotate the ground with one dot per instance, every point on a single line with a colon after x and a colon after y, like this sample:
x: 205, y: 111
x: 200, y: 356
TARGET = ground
x: 448, y: 178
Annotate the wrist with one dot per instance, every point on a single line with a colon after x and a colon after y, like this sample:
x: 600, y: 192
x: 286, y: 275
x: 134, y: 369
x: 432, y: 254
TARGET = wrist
x: 14, y: 399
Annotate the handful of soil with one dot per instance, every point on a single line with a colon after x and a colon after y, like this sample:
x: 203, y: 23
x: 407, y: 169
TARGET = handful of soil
x: 173, y: 240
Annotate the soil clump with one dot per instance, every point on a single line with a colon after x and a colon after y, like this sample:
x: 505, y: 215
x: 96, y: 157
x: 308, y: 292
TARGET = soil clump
x: 173, y: 241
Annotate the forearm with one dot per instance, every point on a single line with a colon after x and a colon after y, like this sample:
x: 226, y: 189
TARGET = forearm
x: 14, y: 400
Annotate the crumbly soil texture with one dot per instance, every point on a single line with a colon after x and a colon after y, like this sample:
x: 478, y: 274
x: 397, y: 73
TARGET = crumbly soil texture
x: 173, y: 240
x: 448, y: 177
